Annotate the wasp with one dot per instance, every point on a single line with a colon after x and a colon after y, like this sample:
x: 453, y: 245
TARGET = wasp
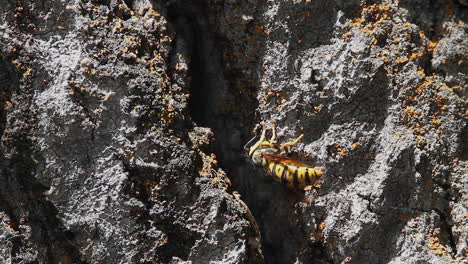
x: 289, y: 171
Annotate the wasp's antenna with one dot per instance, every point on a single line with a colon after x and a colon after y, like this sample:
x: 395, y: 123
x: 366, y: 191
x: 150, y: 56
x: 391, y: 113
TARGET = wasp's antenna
x: 250, y: 142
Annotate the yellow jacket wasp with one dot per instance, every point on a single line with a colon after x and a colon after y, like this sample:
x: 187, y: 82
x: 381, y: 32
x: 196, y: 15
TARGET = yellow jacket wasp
x: 286, y: 170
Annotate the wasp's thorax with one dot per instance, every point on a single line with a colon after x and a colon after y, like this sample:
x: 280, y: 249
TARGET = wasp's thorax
x: 256, y: 153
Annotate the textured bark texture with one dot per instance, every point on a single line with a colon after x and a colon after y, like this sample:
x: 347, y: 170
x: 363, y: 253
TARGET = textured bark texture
x: 122, y: 127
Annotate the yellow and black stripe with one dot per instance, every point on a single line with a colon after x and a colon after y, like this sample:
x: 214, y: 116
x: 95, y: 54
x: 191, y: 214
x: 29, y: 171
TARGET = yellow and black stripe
x: 290, y: 175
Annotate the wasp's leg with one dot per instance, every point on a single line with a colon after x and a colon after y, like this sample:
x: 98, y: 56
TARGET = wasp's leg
x: 273, y: 130
x: 262, y: 138
x: 271, y: 142
x: 287, y: 144
x: 267, y: 143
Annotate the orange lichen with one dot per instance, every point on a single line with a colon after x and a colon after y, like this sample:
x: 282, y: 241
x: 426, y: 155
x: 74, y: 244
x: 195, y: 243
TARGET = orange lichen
x: 8, y: 105
x: 421, y: 72
x: 322, y: 225
x: 423, y: 86
x: 413, y: 56
x: 28, y: 72
x: 432, y: 45
x: 401, y: 60
x: 410, y: 113
x: 437, y: 247
x: 340, y: 150
x: 347, y: 36
x: 372, y: 17
x: 317, y: 109
x: 89, y: 71
x: 209, y: 161
x: 355, y: 145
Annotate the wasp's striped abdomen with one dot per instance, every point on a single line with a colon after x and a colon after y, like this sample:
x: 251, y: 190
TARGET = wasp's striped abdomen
x: 290, y: 175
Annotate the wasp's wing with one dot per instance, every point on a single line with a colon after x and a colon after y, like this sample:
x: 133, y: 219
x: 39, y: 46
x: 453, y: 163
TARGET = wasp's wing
x: 285, y: 160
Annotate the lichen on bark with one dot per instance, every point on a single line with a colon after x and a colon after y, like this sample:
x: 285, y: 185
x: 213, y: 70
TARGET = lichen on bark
x: 122, y: 124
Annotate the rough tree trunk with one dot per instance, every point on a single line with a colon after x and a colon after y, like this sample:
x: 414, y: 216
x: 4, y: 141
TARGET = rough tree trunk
x: 122, y: 124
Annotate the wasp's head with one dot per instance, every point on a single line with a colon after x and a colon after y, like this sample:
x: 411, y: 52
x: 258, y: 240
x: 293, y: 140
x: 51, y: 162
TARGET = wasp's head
x: 256, y: 156
x: 255, y: 152
x: 255, y: 148
x: 252, y: 149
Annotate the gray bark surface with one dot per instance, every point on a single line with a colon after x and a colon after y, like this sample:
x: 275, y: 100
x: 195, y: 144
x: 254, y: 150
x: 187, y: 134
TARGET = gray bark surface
x: 122, y: 126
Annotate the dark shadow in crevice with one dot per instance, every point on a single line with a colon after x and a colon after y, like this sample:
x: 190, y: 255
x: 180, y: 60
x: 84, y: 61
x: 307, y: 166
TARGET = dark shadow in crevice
x: 7, y: 82
x: 315, y: 253
x: 129, y: 4
x: 223, y: 98
x: 431, y: 15
x: 214, y: 102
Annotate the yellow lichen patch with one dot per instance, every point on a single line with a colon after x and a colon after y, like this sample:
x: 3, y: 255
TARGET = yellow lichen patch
x: 89, y: 71
x: 28, y: 72
x: 280, y: 107
x: 339, y: 150
x: 423, y: 86
x: 280, y: 98
x: 167, y: 117
x: 355, y: 145
x: 373, y: 16
x: 132, y: 43
x: 421, y: 72
x: 357, y: 22
x: 432, y: 45
x: 401, y: 60
x: 166, y: 39
x: 347, y: 36
x: 93, y: 24
x: 422, y: 34
x: 153, y: 13
x: 101, y: 53
x: 410, y: 114
x: 437, y: 247
x: 317, y: 109
x: 210, y: 169
x: 117, y: 26
x: 414, y: 56
x: 209, y: 161
x: 322, y: 225
x: 435, y: 121
x: 455, y: 89
x: 8, y: 105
